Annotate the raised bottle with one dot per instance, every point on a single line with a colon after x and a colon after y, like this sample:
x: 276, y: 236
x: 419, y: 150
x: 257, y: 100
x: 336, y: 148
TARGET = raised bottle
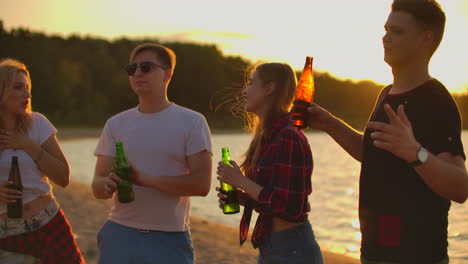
x: 304, y: 94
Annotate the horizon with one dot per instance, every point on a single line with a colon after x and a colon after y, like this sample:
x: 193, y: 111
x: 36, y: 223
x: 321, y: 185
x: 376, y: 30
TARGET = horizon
x: 347, y: 51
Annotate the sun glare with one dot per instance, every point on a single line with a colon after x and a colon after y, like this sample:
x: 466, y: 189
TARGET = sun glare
x: 347, y: 44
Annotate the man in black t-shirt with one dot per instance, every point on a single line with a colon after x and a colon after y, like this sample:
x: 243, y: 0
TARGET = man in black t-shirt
x: 412, y: 158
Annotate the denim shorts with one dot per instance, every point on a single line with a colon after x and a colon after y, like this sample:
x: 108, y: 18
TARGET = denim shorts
x: 295, y: 245
x: 16, y: 226
x: 126, y: 245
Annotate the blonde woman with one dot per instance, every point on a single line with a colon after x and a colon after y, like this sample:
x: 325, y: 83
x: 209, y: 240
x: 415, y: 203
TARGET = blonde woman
x: 43, y: 234
x: 278, y: 169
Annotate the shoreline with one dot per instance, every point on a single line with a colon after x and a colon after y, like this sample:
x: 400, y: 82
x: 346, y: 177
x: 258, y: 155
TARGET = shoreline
x: 213, y: 242
x: 69, y: 133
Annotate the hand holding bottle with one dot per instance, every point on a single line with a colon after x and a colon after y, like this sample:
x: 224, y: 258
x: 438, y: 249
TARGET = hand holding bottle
x: 8, y: 195
x: 231, y: 205
x: 318, y: 118
x: 110, y: 184
x: 230, y: 174
x: 124, y: 171
x: 223, y: 198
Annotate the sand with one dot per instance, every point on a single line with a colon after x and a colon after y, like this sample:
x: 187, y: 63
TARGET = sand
x: 213, y: 242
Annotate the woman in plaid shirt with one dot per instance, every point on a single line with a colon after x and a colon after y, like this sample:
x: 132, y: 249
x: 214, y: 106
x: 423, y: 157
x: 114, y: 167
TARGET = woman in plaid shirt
x: 275, y: 177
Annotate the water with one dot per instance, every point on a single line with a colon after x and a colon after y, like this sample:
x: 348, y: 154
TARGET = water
x: 334, y: 200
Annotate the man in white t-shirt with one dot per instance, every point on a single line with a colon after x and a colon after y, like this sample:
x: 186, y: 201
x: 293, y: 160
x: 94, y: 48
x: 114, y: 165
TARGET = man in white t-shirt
x: 169, y: 149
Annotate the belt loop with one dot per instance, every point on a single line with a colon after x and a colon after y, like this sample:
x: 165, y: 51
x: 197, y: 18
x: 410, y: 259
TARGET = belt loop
x: 3, y: 225
x: 27, y: 225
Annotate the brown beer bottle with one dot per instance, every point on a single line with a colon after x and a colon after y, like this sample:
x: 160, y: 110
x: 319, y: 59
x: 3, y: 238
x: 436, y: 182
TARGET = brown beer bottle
x: 15, y: 210
x: 304, y: 94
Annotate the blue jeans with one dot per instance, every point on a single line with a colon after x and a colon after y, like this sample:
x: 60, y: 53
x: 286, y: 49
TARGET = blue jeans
x: 120, y: 244
x: 293, y: 246
x: 365, y: 261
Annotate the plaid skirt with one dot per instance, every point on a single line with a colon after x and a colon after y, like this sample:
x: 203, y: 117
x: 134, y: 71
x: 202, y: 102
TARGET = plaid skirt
x: 52, y: 243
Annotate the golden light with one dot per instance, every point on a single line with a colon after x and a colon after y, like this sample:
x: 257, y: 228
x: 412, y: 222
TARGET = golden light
x: 355, y: 223
x: 358, y: 236
x: 348, y: 44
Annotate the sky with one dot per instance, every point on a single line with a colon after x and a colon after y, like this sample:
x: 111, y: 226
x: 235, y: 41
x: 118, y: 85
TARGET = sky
x: 343, y: 36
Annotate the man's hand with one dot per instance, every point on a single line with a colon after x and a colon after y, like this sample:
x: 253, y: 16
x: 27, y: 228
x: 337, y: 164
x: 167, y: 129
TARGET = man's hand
x: 318, y: 118
x: 396, y: 137
x: 110, y: 183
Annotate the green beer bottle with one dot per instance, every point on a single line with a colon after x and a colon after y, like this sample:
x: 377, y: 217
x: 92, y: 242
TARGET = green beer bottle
x: 232, y: 202
x: 123, y: 170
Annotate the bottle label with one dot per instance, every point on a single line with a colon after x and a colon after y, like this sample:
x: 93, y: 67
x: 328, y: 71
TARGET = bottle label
x: 298, y: 113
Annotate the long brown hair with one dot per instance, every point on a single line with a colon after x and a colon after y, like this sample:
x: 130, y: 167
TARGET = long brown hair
x: 9, y: 69
x: 284, y: 79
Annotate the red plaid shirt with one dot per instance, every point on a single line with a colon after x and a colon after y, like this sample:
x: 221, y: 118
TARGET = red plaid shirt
x: 284, y: 169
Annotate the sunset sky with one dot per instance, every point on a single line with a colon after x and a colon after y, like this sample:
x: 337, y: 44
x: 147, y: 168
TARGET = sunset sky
x: 343, y: 36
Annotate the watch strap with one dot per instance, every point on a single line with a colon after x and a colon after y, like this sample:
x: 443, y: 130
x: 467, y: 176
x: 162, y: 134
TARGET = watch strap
x: 415, y: 163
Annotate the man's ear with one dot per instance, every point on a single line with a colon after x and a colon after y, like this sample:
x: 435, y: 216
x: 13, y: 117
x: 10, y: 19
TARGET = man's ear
x: 168, y: 75
x: 428, y: 38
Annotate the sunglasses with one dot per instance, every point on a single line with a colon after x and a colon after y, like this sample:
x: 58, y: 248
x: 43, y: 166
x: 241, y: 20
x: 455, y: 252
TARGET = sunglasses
x: 145, y: 67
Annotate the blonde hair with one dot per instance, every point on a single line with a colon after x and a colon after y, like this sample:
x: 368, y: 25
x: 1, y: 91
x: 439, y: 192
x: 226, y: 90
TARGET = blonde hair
x: 285, y: 81
x: 9, y: 69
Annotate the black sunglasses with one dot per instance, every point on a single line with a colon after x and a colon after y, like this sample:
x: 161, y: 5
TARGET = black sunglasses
x: 145, y: 67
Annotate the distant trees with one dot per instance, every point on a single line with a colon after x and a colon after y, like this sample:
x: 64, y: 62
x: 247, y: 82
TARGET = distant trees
x: 80, y: 81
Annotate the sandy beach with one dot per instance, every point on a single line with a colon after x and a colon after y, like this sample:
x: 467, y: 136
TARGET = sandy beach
x: 213, y: 242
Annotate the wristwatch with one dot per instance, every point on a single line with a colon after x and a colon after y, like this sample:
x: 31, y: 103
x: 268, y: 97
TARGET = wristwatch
x: 422, y: 155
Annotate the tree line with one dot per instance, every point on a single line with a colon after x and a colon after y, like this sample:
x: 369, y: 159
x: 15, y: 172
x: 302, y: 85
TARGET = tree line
x: 80, y: 81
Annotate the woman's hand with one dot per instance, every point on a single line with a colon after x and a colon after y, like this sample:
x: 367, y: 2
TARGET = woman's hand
x: 231, y: 175
x: 10, y: 140
x: 222, y: 197
x: 8, y: 195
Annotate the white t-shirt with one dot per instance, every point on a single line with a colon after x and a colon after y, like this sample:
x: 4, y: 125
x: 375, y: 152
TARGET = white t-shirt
x: 156, y: 144
x: 35, y: 183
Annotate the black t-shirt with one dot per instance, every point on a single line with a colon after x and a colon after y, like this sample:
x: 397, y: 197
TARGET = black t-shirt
x: 402, y: 219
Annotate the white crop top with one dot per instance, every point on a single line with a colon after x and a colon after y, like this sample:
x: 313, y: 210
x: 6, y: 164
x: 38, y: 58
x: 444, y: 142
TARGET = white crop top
x: 35, y: 183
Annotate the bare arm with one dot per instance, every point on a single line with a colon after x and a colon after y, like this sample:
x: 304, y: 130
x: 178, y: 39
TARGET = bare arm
x: 196, y: 182
x: 49, y: 157
x: 52, y: 162
x: 105, y: 181
x: 347, y: 137
x: 446, y: 175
